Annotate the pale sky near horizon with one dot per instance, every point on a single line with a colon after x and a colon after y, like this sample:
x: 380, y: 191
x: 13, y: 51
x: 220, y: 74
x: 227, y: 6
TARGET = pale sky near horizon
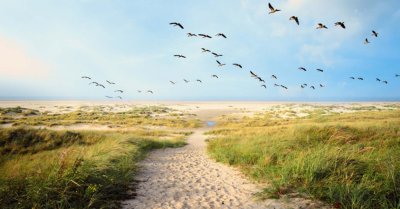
x: 47, y: 45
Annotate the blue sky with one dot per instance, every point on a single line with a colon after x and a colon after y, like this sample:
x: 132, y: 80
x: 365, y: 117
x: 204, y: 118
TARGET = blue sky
x: 47, y: 45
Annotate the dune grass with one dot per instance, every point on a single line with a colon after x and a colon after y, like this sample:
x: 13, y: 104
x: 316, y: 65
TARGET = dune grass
x: 348, y: 160
x: 49, y: 169
x: 136, y: 116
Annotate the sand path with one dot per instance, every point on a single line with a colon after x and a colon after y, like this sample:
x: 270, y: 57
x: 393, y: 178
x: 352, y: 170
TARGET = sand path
x: 187, y: 178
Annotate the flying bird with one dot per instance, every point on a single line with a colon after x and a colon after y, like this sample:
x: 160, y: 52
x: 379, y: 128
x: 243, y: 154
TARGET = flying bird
x: 341, y: 24
x: 139, y: 91
x: 215, y: 76
x: 216, y: 55
x: 320, y: 70
x: 253, y: 74
x: 276, y: 85
x: 302, y: 68
x: 260, y: 79
x: 221, y: 35
x: 94, y: 83
x: 379, y: 80
x: 186, y: 81
x: 204, y: 35
x: 86, y: 77
x: 101, y: 85
x: 237, y: 65
x: 274, y: 77
x: 191, y: 34
x: 109, y: 82
x: 361, y: 79
x: 109, y: 97
x: 312, y: 87
x: 352, y: 78
x: 264, y: 86
x: 205, y: 50
x: 374, y: 33
x: 284, y: 87
x: 150, y: 91
x: 120, y: 91
x: 173, y: 83
x: 305, y: 84
x: 296, y: 19
x: 179, y: 56
x: 272, y: 9
x: 220, y: 64
x: 177, y: 24
x: 366, y: 41
x: 322, y: 86
x: 321, y: 26
x: 302, y: 86
x: 397, y: 75
x: 198, y: 80
x: 385, y: 82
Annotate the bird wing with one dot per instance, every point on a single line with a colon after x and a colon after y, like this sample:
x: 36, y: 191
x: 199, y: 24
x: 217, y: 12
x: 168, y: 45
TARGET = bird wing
x: 270, y: 6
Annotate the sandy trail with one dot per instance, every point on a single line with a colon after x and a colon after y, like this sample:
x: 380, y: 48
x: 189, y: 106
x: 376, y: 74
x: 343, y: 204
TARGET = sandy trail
x: 187, y: 178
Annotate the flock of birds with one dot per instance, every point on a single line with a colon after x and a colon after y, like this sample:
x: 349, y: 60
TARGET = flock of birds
x: 272, y: 10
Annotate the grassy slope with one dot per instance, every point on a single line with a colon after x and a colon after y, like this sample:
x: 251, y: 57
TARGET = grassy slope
x: 71, y: 170
x: 62, y: 169
x: 349, y: 160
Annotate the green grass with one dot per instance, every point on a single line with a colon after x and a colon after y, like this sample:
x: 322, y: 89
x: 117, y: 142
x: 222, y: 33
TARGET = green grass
x: 49, y: 169
x: 348, y: 160
x: 137, y: 116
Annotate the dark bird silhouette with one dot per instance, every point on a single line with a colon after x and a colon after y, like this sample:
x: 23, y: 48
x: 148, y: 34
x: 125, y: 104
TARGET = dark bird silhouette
x: 341, y: 24
x: 253, y: 74
x: 284, y: 87
x: 94, y: 83
x: 302, y: 68
x: 374, y: 33
x: 205, y: 50
x: 260, y: 79
x: 322, y: 86
x: 397, y: 75
x: 321, y: 26
x: 109, y: 82
x: 237, y: 65
x: 379, y: 80
x: 264, y: 86
x: 204, y: 35
x: 220, y: 64
x: 272, y: 9
x: 221, y: 35
x: 385, y: 82
x: 302, y: 86
x: 86, y: 77
x: 173, y: 83
x: 150, y: 91
x: 109, y: 97
x: 215, y: 76
x: 312, y: 87
x: 139, y: 91
x: 305, y: 84
x: 352, y: 78
x: 320, y: 70
x: 177, y: 24
x: 186, y: 81
x: 366, y: 41
x: 361, y: 79
x: 191, y: 34
x: 120, y: 91
x: 179, y: 56
x: 277, y: 85
x: 296, y: 19
x: 101, y: 85
x: 198, y: 80
x: 274, y: 77
x: 216, y: 55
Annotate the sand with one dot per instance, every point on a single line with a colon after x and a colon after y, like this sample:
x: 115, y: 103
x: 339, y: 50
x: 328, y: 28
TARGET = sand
x: 187, y: 178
